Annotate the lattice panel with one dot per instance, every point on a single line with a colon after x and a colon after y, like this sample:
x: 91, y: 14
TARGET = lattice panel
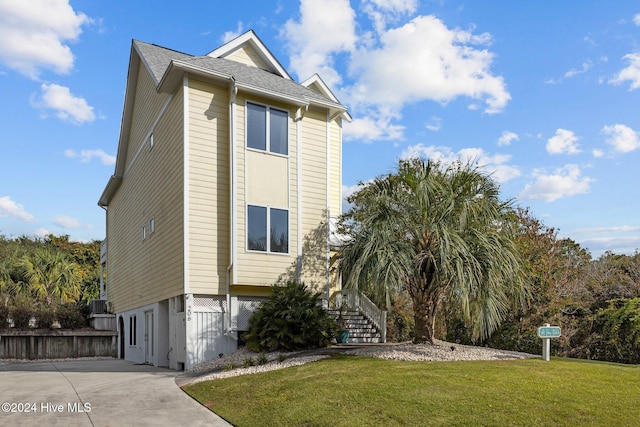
x: 210, y: 301
x: 246, y: 307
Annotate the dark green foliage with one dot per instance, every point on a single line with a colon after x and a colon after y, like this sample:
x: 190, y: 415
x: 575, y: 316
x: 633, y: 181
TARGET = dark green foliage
x: 45, y: 316
x: 615, y: 333
x: 4, y: 315
x: 21, y: 313
x: 262, y: 359
x: 70, y: 317
x: 291, y: 319
x: 37, y: 274
x: 400, y: 324
x: 510, y: 336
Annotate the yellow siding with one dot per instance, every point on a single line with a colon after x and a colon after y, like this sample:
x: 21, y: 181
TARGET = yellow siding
x: 335, y: 168
x: 260, y: 268
x: 208, y: 187
x: 146, y: 108
x: 145, y: 271
x: 267, y: 179
x: 314, y: 198
x: 248, y: 57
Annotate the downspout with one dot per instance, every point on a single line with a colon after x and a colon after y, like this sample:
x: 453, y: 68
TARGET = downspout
x: 328, y: 233
x: 233, y: 92
x: 102, y: 281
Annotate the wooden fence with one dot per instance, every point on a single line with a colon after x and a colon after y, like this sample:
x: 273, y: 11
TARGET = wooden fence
x: 57, y: 344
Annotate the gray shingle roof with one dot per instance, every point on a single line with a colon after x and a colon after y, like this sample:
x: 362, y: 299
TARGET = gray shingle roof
x: 159, y: 58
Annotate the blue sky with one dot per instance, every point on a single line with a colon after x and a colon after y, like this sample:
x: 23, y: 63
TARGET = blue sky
x: 543, y: 94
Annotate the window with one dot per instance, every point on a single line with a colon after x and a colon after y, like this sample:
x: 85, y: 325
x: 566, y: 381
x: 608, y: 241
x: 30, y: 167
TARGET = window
x: 276, y: 221
x: 267, y: 129
x: 144, y: 232
x: 152, y: 225
x: 132, y: 330
x: 150, y: 141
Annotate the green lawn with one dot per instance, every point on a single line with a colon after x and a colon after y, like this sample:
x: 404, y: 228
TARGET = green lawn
x: 359, y: 391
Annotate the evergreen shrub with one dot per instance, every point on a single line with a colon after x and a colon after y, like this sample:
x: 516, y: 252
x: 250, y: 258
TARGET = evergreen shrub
x: 291, y: 319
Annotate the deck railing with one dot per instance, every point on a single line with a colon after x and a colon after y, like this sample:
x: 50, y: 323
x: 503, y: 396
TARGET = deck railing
x: 359, y: 301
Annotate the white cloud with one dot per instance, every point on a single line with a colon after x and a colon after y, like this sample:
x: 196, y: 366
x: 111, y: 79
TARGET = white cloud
x: 563, y: 142
x: 575, y: 71
x: 230, y: 35
x: 496, y: 164
x: 383, y: 12
x: 434, y: 124
x: 10, y: 208
x: 391, y: 67
x: 34, y: 35
x: 507, y: 137
x: 564, y: 182
x: 65, y: 221
x: 597, y: 153
x: 618, y: 229
x: 636, y: 19
x: 630, y: 73
x: 86, y: 156
x: 425, y: 60
x: 41, y: 233
x: 622, y: 138
x: 618, y: 245
x: 67, y: 107
x: 397, y: 6
x: 326, y: 27
x: 348, y: 190
x: 374, y: 127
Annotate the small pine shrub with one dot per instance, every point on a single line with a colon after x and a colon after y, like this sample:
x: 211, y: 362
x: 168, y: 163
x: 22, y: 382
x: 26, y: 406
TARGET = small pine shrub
x: 291, y: 319
x: 248, y: 361
x: 229, y: 366
x: 262, y: 359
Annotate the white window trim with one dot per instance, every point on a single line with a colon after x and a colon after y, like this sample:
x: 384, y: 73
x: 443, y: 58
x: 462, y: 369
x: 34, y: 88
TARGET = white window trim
x: 267, y: 150
x: 268, y: 251
x: 144, y: 232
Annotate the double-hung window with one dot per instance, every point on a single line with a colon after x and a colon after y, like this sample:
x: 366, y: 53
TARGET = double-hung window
x: 267, y: 129
x: 267, y: 229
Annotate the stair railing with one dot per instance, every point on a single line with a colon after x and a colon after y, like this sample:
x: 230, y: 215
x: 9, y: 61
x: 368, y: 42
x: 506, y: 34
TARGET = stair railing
x: 357, y: 300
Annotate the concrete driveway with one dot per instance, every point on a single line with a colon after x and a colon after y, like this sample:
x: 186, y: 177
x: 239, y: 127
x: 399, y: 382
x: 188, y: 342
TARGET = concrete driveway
x: 96, y: 393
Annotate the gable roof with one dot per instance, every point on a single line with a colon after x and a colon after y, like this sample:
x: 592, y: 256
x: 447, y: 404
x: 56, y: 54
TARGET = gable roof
x: 252, y: 40
x: 316, y: 82
x: 167, y: 68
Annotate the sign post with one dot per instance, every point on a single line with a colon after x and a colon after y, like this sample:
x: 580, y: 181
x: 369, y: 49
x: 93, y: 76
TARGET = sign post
x: 547, y: 332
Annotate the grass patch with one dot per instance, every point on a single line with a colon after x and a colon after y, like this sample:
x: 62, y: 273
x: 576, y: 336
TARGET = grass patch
x: 349, y: 390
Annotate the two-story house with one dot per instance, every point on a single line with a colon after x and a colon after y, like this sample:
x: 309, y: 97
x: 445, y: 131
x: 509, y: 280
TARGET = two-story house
x: 227, y: 176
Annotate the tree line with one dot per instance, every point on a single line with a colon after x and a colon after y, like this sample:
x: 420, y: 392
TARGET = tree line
x: 436, y: 246
x: 51, y: 279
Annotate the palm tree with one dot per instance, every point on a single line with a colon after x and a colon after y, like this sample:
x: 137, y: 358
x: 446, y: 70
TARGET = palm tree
x: 51, y: 276
x: 439, y: 234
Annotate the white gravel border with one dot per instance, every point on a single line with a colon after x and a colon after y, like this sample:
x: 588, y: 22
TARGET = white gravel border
x: 440, y: 352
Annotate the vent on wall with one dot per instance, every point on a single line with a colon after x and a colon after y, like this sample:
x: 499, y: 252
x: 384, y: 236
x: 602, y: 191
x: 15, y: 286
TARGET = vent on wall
x: 98, y: 306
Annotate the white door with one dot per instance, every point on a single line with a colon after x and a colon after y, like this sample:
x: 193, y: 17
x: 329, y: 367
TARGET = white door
x: 148, y: 337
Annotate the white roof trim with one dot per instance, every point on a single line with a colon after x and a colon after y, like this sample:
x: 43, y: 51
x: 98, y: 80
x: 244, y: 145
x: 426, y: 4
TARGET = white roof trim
x: 254, y: 41
x: 324, y: 90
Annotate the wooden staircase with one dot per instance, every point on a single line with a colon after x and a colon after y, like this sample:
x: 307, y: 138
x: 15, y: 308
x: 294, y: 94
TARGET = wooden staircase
x: 361, y: 330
